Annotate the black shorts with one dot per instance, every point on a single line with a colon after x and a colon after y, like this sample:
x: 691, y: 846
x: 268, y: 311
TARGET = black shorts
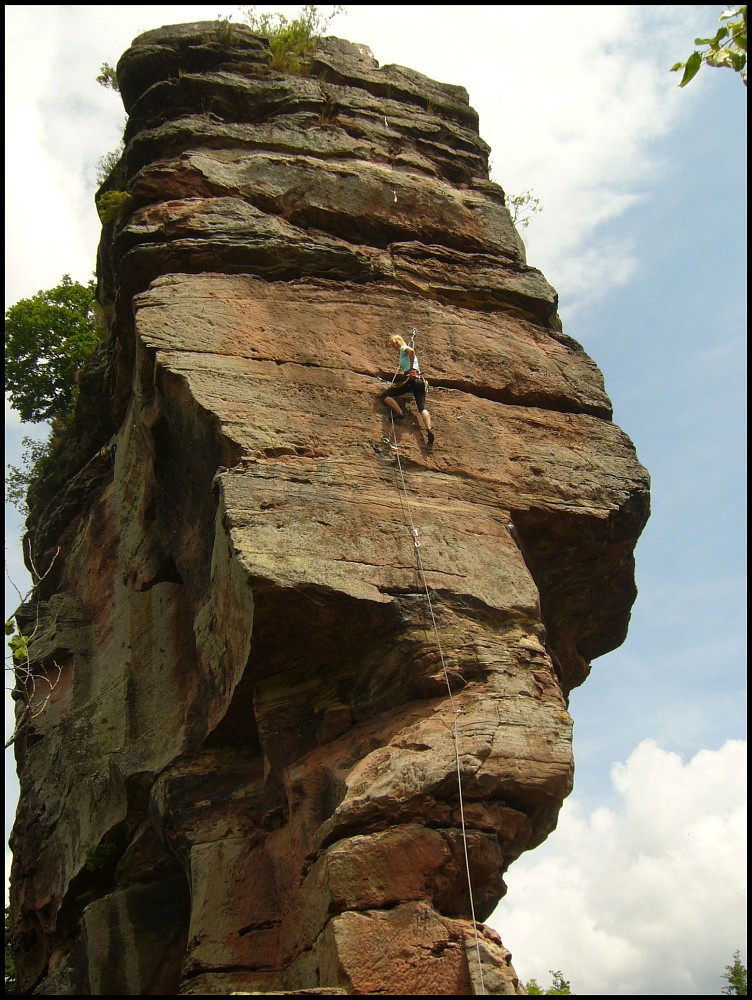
x: 416, y: 386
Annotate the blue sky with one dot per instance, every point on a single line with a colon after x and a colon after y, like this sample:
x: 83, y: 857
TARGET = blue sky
x: 642, y: 888
x: 671, y: 346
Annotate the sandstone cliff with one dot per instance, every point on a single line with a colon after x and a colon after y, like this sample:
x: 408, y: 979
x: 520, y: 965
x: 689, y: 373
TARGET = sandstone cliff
x: 263, y: 768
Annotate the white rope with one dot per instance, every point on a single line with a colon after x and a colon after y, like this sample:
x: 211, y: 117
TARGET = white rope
x: 455, y: 712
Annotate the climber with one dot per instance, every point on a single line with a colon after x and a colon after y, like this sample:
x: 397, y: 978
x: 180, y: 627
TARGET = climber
x: 412, y: 381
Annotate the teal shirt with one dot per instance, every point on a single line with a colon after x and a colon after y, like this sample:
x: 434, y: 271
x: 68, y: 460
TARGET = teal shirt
x: 405, y: 363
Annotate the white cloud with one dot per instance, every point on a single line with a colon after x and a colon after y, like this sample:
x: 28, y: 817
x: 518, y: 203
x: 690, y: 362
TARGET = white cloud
x: 647, y: 898
x: 592, y: 274
x: 575, y: 106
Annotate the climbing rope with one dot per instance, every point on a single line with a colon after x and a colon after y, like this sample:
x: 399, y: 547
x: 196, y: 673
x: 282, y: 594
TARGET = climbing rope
x: 455, y: 712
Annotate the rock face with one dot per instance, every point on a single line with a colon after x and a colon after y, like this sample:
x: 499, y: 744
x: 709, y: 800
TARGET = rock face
x: 313, y: 673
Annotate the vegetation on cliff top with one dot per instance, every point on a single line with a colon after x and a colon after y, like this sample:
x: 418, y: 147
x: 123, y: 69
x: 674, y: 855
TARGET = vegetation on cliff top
x: 291, y: 40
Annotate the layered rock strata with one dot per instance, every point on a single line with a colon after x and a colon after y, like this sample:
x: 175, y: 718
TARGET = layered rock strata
x: 284, y: 719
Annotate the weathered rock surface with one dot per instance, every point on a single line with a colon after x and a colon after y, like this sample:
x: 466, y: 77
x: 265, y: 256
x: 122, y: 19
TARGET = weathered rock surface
x: 248, y: 777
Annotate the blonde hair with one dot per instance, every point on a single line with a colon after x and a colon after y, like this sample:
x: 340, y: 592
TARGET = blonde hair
x: 396, y: 341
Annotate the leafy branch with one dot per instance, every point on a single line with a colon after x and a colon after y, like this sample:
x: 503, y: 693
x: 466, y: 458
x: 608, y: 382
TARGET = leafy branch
x: 28, y: 683
x: 736, y: 978
x: 728, y: 47
x: 108, y: 77
x: 522, y: 207
x: 34, y: 459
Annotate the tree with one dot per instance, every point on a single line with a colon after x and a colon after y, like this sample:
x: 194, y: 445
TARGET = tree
x: 47, y: 339
x: 559, y: 987
x: 728, y: 47
x: 736, y: 977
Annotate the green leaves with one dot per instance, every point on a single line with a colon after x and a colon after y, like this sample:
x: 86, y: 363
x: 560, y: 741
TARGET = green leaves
x: 522, y: 207
x: 17, y: 643
x: 291, y: 41
x: 47, y: 339
x: 108, y: 76
x: 736, y: 978
x: 559, y: 987
x: 34, y: 459
x: 112, y: 205
x: 728, y: 47
x: 691, y: 67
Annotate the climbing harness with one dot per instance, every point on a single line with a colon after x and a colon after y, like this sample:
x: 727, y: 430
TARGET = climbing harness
x: 394, y: 446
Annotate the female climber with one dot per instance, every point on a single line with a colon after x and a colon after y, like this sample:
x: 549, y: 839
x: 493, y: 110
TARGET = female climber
x: 412, y: 381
